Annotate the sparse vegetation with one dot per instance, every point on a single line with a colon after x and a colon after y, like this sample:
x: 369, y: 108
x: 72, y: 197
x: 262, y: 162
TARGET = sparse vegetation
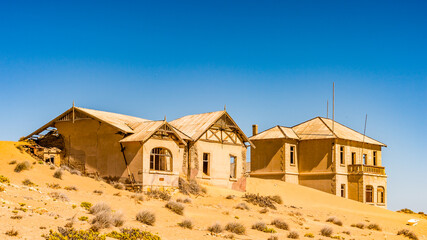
x: 138, y: 197
x: 186, y: 224
x: 260, y: 226
x: 309, y: 235
x: 347, y: 232
x: 83, y: 218
x: 273, y: 237
x: 230, y: 197
x: 374, y: 226
x: 215, y: 228
x: 293, y: 235
x: 407, y: 233
x: 27, y: 182
x: 16, y: 217
x: 70, y: 233
x: 158, y: 194
x: 59, y: 196
x: 25, y: 165
x: 12, y: 162
x: 280, y: 224
x: 236, y: 228
x: 119, y: 185
x: 358, y: 225
x: 326, y: 231
x: 100, y: 207
x: 4, y: 179
x: 406, y: 210
x: 184, y: 200
x: 264, y: 210
x: 58, y: 174
x: 334, y: 220
x: 277, y: 199
x: 175, y: 207
x: 242, y: 206
x: 75, y: 172
x: 146, y: 217
x: 12, y: 232
x: 106, y: 219
x: 191, y: 187
x: 132, y: 234
x: 53, y: 185
x: 71, y: 188
x: 99, y: 192
x: 86, y: 205
x: 262, y: 201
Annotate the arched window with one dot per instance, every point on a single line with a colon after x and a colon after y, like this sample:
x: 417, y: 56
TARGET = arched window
x: 381, y: 195
x: 161, y: 159
x: 369, y: 194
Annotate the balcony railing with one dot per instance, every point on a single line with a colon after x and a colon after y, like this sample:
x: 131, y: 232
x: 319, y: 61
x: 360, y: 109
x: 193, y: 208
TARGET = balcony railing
x: 360, y: 169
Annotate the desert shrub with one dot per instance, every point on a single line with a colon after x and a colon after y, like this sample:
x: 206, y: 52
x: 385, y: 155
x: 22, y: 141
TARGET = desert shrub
x: 230, y: 197
x: 347, y: 232
x: 260, y: 226
x: 119, y: 185
x: 99, y: 207
x: 158, y: 194
x: 191, y: 187
x: 358, y: 225
x: 334, y: 220
x: 52, y: 167
x: 53, y: 185
x: 58, y: 174
x: 70, y: 233
x: 12, y: 232
x: 186, y: 224
x: 138, y: 197
x: 326, y: 231
x: 406, y: 210
x: 262, y: 201
x: 83, y: 218
x: 12, y: 162
x: 236, y: 228
x: 309, y: 235
x: 99, y: 192
x: 242, y: 206
x: 86, y: 205
x: 71, y: 188
x: 277, y: 199
x: 118, y: 219
x: 407, y: 233
x: 146, y: 217
x: 273, y: 237
x: 280, y: 224
x: 374, y: 226
x: 264, y: 210
x: 16, y: 217
x: 4, y: 179
x: 215, y: 228
x: 293, y: 235
x: 75, y: 172
x: 133, y: 234
x: 184, y: 200
x: 102, y: 220
x: 22, y: 166
x: 27, y: 182
x: 59, y: 196
x: 175, y: 207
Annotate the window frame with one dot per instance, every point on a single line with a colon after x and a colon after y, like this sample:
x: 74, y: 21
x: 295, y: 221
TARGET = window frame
x: 342, y: 155
x: 381, y: 190
x: 233, y: 176
x: 207, y: 161
x: 365, y: 159
x: 292, y: 160
x: 343, y: 192
x: 159, y: 154
x: 371, y: 194
x: 353, y: 158
x: 374, y: 158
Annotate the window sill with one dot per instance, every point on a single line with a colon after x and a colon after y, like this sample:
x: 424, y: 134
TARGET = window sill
x: 206, y: 177
x: 233, y: 179
x: 293, y: 165
x: 161, y: 172
x: 342, y: 165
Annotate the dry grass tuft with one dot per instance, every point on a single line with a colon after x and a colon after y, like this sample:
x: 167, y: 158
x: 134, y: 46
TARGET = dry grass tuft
x: 242, y: 206
x: 277, y: 199
x: 215, y: 228
x: 191, y: 187
x: 407, y: 233
x: 175, y: 207
x: 16, y: 217
x: 374, y: 226
x: 358, y: 225
x: 280, y: 224
x: 335, y: 221
x: 273, y: 237
x: 185, y: 200
x: 158, y: 194
x: 53, y: 185
x: 99, y: 192
x: 186, y: 224
x: 146, y: 217
x: 100, y: 207
x: 118, y: 219
x: 12, y: 233
x: 27, y: 182
x: 236, y: 228
x: 260, y: 226
x: 12, y: 162
x: 293, y: 235
x: 138, y: 197
x: 4, y: 179
x: 22, y: 166
x: 71, y: 188
x: 102, y: 220
x: 58, y: 174
x: 264, y: 210
x: 59, y: 196
x: 326, y: 231
x: 230, y: 197
x: 309, y: 235
x: 262, y: 201
x: 119, y: 185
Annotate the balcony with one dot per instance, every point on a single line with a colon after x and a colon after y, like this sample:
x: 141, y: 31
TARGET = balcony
x: 360, y: 169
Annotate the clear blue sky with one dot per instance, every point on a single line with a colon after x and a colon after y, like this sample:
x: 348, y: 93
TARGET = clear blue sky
x: 271, y: 62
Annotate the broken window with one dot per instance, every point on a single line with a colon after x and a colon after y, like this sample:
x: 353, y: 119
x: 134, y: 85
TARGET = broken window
x: 343, y: 190
x: 374, y: 158
x: 233, y: 164
x: 369, y: 194
x: 364, y: 159
x: 342, y: 155
x: 381, y: 195
x: 292, y: 152
x: 161, y: 159
x: 353, y: 158
x: 206, y: 158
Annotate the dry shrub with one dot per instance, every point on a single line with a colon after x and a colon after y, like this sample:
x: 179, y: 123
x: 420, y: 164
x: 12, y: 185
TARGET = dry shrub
x: 59, y: 196
x: 22, y: 166
x: 12, y: 232
x: 99, y: 192
x: 184, y: 200
x: 100, y: 207
x: 277, y: 199
x: 260, y: 226
x: 16, y: 217
x: 4, y: 179
x: 119, y: 185
x: 273, y: 237
x: 407, y: 233
x: 186, y: 224
x: 118, y: 219
x: 279, y: 223
x: 27, y: 182
x: 75, y: 172
x: 406, y: 210
x: 71, y: 188
x: 359, y: 225
x: 326, y: 231
x: 264, y: 210
x: 242, y: 206
x: 309, y: 235
x: 236, y: 228
x: 53, y: 185
x: 158, y: 194
x: 230, y: 197
x: 293, y: 235
x: 102, y: 220
x: 52, y: 167
x: 335, y: 221
x: 191, y: 187
x: 215, y: 228
x: 347, y: 232
x: 146, y: 217
x: 58, y: 174
x: 175, y: 207
x: 374, y: 226
x: 262, y: 201
x: 138, y: 197
x: 12, y: 162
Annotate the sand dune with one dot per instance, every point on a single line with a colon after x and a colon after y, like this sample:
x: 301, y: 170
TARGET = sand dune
x: 304, y: 209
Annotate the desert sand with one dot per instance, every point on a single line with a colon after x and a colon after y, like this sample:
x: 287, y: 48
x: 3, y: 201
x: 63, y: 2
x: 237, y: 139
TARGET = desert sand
x: 305, y: 210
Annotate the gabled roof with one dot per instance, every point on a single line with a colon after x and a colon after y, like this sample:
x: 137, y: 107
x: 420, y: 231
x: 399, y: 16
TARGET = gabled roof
x: 321, y: 128
x: 275, y: 133
x: 144, y: 130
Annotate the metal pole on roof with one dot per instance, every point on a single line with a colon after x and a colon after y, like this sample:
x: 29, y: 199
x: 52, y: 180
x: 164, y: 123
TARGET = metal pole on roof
x: 73, y: 111
x: 333, y: 106
x: 364, y: 134
x: 327, y: 108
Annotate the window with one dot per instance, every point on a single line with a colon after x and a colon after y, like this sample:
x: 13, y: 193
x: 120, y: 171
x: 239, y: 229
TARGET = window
x: 161, y: 159
x: 292, y: 155
x: 206, y: 158
x: 233, y: 163
x: 364, y: 159
x: 342, y: 155
x: 353, y: 158
x: 343, y: 190
x: 369, y: 194
x: 381, y: 195
x: 374, y: 158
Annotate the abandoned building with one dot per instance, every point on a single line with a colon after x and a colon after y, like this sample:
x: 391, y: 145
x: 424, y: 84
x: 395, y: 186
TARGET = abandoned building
x: 210, y: 147
x: 325, y: 155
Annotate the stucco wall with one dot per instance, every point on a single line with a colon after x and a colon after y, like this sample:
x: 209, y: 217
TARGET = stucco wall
x: 315, y: 155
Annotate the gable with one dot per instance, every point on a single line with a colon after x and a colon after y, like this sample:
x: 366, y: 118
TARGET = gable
x: 224, y: 130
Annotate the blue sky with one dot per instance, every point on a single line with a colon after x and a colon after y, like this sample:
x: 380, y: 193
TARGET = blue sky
x: 270, y: 62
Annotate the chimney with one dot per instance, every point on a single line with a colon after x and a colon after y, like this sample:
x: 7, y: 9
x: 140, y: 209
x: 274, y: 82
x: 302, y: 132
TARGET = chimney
x: 254, y: 129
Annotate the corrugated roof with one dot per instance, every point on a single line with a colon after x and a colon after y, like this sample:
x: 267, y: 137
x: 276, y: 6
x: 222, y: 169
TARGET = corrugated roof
x: 275, y: 132
x: 195, y: 125
x: 144, y: 130
x: 321, y: 128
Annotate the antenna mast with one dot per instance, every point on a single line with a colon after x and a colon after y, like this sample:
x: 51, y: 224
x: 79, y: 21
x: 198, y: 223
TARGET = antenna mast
x: 327, y: 108
x: 364, y: 134
x: 333, y: 106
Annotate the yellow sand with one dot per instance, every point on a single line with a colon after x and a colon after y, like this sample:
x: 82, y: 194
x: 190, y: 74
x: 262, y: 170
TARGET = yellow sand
x: 304, y: 209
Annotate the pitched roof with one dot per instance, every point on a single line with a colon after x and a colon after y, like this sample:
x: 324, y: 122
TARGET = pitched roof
x: 321, y: 128
x: 144, y: 130
x: 195, y: 125
x: 275, y: 133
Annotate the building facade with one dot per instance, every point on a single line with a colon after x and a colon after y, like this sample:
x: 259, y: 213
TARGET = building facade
x: 324, y: 155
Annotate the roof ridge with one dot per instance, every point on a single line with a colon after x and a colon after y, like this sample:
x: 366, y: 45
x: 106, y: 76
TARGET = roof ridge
x: 328, y: 127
